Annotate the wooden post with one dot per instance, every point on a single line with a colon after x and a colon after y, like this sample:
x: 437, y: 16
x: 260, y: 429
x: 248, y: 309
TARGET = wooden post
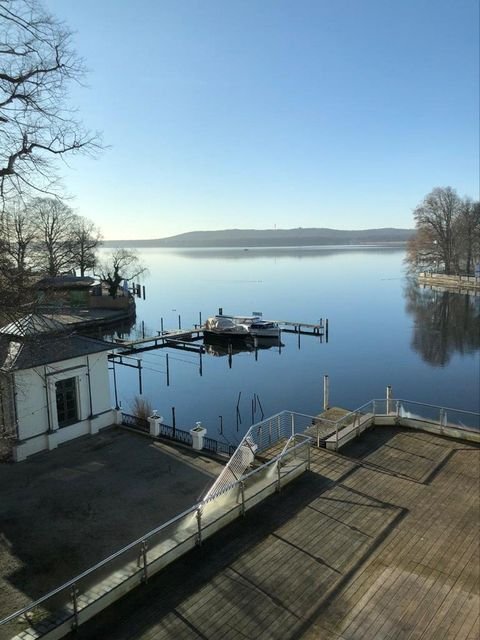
x: 143, y: 290
x: 173, y: 420
x: 200, y: 318
x: 140, y: 388
x: 161, y: 325
x: 179, y: 322
x: 326, y: 393
x: 168, y: 370
x: 143, y: 329
x: 326, y: 330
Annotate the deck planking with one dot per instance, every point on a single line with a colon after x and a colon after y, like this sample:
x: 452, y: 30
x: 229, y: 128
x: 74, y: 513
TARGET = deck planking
x: 379, y: 542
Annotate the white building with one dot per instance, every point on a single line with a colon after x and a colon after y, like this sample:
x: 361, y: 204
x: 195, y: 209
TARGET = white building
x: 54, y: 386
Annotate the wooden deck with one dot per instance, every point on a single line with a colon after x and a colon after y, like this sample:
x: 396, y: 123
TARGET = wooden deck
x: 378, y: 542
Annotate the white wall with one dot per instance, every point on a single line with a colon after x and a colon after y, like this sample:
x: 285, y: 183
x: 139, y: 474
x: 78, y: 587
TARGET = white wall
x: 36, y: 403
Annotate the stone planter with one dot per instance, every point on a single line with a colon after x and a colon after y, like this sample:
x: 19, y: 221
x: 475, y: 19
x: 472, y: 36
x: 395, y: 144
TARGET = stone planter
x: 198, y: 433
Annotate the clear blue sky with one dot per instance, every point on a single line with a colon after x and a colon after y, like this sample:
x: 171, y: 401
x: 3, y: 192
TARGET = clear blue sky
x: 254, y: 113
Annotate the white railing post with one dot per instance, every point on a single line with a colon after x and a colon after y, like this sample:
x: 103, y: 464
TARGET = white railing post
x: 144, y: 560
x: 293, y: 423
x: 442, y: 418
x: 326, y: 393
x: 389, y: 398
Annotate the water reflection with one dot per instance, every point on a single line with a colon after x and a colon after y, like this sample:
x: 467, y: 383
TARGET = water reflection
x: 305, y: 252
x: 445, y: 323
x: 223, y: 347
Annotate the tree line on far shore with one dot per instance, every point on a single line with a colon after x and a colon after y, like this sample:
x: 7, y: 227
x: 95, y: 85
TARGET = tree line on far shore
x: 447, y: 237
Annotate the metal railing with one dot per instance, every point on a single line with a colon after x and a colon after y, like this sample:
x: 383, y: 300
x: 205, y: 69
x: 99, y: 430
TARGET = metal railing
x: 134, y: 563
x: 437, y: 417
x: 178, y: 435
x: 135, y: 422
x: 435, y: 414
x: 260, y: 436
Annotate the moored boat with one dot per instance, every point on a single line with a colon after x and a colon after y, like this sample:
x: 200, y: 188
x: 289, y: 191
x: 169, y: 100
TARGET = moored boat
x: 241, y: 326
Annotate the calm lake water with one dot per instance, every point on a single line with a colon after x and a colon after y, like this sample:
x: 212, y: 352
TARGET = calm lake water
x: 382, y: 330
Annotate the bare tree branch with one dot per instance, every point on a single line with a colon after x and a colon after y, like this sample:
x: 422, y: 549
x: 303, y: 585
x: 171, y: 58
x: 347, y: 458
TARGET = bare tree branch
x: 37, y: 65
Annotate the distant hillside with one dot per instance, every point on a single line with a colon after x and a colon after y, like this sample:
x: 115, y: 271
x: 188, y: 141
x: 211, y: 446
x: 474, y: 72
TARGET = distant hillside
x: 272, y: 238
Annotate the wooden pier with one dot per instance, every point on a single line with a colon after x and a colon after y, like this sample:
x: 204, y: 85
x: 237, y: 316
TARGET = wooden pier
x: 187, y: 339
x: 304, y: 328
x: 183, y: 339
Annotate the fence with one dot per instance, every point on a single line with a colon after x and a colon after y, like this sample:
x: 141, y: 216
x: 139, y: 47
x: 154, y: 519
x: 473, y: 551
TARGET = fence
x: 178, y: 435
x: 441, y: 420
x: 284, y: 426
x: 453, y: 279
x: 434, y: 414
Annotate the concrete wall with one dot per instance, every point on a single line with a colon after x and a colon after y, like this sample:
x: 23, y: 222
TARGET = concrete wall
x: 426, y: 277
x: 38, y: 427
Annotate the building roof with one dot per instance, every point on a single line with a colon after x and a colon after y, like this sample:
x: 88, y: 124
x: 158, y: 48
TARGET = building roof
x: 20, y: 353
x: 32, y: 324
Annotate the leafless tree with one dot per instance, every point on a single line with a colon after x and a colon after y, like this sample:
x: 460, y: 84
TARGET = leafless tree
x: 37, y: 66
x: 448, y: 233
x: 54, y: 222
x: 18, y: 234
x: 117, y: 266
x: 468, y: 226
x: 86, y: 238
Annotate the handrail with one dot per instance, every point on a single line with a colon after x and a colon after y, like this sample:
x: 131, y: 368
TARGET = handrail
x: 99, y: 565
x: 423, y: 404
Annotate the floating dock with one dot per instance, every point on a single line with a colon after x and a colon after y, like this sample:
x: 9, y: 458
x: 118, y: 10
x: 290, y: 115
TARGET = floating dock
x: 186, y: 339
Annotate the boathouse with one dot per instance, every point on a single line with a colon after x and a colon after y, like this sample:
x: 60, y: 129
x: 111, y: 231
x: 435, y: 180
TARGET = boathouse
x: 54, y: 386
